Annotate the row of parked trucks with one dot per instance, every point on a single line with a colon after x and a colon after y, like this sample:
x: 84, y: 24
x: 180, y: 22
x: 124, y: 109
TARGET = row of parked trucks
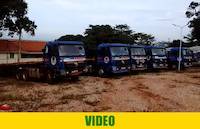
x: 69, y: 59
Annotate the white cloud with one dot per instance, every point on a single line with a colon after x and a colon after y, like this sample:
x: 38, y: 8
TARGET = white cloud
x: 57, y: 17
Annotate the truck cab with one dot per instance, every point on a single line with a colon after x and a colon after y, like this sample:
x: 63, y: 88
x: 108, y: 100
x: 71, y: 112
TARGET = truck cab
x: 112, y: 59
x: 64, y: 59
x: 156, y: 57
x: 138, y: 58
x: 173, y: 57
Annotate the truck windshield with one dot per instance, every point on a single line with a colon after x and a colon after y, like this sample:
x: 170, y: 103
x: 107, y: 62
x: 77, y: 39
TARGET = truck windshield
x: 71, y: 50
x: 187, y: 52
x: 184, y: 52
x: 158, y: 51
x: 119, y: 51
x: 138, y: 51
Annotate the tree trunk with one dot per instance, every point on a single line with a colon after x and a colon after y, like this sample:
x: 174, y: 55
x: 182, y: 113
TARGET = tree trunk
x: 19, y: 47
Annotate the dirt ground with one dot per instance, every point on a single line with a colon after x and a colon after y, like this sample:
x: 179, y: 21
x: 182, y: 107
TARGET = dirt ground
x: 161, y: 91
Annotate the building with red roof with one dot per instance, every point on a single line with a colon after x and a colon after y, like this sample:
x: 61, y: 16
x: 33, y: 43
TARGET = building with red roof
x: 29, y: 51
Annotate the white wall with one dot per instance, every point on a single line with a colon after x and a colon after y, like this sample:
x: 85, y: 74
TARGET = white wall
x: 5, y: 59
x: 195, y: 49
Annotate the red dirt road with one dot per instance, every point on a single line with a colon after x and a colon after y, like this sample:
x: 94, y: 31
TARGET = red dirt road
x: 162, y: 91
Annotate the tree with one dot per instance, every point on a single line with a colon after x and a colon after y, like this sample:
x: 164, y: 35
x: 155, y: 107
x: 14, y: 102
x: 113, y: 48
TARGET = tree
x: 123, y: 34
x: 97, y: 34
x: 13, y: 18
x: 143, y: 39
x: 193, y: 13
x: 176, y: 43
x: 189, y: 39
x: 123, y: 29
x: 71, y: 38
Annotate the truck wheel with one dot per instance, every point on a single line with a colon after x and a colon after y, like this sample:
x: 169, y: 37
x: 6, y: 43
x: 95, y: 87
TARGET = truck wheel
x: 17, y: 76
x: 24, y: 76
x: 170, y: 67
x: 75, y: 78
x: 50, y: 78
x: 101, y: 72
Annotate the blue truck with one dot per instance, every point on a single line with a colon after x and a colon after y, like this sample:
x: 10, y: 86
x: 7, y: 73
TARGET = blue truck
x: 173, y: 57
x: 156, y: 57
x: 110, y: 58
x: 138, y: 58
x: 61, y: 59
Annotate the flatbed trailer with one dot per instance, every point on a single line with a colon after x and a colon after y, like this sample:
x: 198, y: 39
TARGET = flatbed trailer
x: 58, y: 60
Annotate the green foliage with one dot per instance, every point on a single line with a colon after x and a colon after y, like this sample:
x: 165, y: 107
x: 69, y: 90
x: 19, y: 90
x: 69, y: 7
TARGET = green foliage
x: 145, y: 39
x: 97, y: 34
x: 13, y: 18
x: 194, y: 13
x: 176, y: 43
x: 71, y: 38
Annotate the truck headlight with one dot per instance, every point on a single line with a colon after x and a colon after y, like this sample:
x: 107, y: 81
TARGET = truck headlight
x: 62, y: 72
x: 114, y: 68
x: 67, y: 72
x: 143, y: 61
x: 85, y: 70
x: 61, y: 61
x: 133, y: 66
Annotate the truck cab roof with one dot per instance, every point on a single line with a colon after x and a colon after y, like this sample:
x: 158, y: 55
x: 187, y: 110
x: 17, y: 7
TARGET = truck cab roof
x: 137, y: 46
x: 154, y: 47
x: 65, y: 43
x: 113, y: 45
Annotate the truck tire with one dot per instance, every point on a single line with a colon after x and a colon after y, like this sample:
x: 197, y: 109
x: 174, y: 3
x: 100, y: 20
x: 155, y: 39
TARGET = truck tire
x: 50, y: 78
x: 101, y: 72
x: 24, y: 76
x: 18, y: 76
x: 170, y: 66
x: 75, y: 78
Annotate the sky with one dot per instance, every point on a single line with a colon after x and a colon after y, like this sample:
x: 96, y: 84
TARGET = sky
x: 56, y: 18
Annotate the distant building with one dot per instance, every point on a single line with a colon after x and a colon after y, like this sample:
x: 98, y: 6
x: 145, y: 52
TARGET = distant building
x: 162, y: 44
x: 196, y: 51
x: 30, y: 51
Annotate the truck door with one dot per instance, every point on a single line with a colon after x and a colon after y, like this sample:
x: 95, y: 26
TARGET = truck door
x: 50, y: 55
x: 103, y: 59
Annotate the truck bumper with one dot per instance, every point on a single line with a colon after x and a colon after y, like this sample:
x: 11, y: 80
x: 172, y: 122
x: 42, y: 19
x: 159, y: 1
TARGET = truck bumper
x: 138, y: 68
x: 120, y: 70
x: 160, y: 66
x: 187, y: 64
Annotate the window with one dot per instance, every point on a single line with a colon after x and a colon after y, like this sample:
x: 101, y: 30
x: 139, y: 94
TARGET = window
x: 71, y: 50
x: 138, y: 51
x: 158, y: 52
x: 119, y: 51
x: 46, y: 50
x: 31, y: 56
x: 12, y: 55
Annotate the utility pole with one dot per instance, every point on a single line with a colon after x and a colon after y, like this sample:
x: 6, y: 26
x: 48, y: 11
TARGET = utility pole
x: 180, y: 45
